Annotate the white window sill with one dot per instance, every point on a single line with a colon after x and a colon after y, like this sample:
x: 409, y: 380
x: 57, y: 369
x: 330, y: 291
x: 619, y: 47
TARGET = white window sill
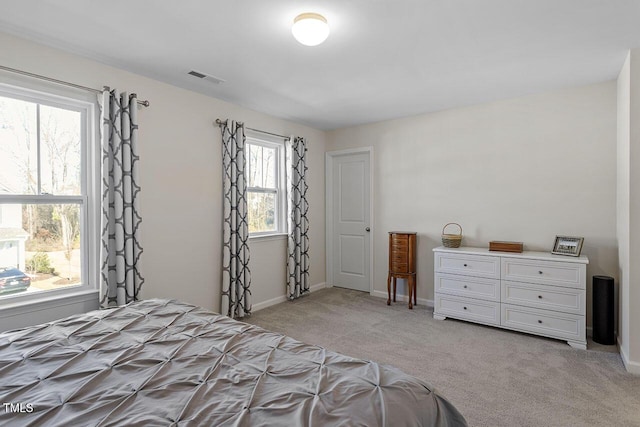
x: 33, y: 311
x: 268, y: 237
x: 48, y: 299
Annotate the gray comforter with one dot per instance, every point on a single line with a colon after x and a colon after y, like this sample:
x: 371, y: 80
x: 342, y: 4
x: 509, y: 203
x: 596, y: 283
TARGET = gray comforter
x: 160, y: 363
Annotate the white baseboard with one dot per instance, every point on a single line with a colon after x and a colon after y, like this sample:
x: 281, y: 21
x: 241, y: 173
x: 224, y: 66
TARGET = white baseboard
x: 318, y: 286
x: 277, y: 300
x: 401, y: 297
x: 590, y: 332
x: 268, y: 303
x: 631, y: 366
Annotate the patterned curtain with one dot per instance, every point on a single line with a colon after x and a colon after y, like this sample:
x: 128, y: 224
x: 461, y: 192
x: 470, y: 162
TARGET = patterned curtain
x: 236, y: 276
x: 120, y: 251
x: 298, y: 244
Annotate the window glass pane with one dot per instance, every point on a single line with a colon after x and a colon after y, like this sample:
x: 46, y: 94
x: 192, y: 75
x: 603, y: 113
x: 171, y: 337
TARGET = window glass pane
x: 269, y: 167
x: 18, y: 147
x: 262, y: 166
x: 254, y: 157
x: 39, y: 248
x: 60, y: 151
x: 262, y: 212
x: 255, y: 165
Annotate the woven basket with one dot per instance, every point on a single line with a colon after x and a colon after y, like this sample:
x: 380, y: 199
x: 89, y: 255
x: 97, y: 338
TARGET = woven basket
x: 451, y: 240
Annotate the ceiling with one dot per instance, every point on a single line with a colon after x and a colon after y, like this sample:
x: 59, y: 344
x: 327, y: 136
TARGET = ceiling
x: 383, y: 59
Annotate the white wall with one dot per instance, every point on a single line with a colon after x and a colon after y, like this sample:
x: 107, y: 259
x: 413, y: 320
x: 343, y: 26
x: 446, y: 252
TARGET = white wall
x: 524, y: 169
x: 634, y: 215
x: 180, y: 176
x: 270, y: 269
x: 628, y: 208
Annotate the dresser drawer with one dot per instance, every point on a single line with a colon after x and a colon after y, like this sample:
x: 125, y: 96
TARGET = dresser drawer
x: 401, y: 268
x: 486, y: 312
x: 465, y: 286
x: 469, y: 265
x: 404, y: 248
x: 399, y: 261
x: 544, y: 272
x: 399, y: 256
x: 567, y: 300
x: 544, y: 322
x: 400, y: 240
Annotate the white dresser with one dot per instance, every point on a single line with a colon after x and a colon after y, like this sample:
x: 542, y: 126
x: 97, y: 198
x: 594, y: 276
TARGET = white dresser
x: 534, y: 292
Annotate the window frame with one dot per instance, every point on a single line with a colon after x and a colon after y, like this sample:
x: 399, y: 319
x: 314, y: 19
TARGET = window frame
x: 258, y: 139
x: 89, y: 199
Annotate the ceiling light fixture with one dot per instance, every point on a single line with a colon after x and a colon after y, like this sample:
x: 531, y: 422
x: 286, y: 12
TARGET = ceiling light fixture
x: 310, y: 29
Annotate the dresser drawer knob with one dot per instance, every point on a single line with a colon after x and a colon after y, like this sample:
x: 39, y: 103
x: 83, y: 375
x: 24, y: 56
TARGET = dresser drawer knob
x: 464, y: 308
x: 465, y: 265
x: 539, y: 321
x: 540, y: 272
x: 465, y: 286
x: 540, y: 296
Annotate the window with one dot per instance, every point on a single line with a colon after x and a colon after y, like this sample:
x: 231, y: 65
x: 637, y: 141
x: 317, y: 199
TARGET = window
x: 265, y: 190
x: 46, y: 201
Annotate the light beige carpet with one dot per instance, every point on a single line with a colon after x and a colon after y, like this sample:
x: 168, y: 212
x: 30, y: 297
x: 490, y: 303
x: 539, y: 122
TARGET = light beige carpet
x: 493, y: 376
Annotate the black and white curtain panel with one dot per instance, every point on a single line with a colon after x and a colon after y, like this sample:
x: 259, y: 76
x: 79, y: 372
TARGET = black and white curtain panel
x: 236, y: 276
x: 298, y: 243
x: 120, y: 250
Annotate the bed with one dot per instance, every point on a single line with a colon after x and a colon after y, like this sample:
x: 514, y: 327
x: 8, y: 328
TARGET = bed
x: 161, y: 363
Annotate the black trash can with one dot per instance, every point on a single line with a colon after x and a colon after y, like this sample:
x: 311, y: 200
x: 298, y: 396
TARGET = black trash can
x: 603, y: 305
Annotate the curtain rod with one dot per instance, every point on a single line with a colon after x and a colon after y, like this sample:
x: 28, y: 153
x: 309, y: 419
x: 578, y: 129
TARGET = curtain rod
x: 269, y: 133
x: 144, y: 103
x: 221, y: 122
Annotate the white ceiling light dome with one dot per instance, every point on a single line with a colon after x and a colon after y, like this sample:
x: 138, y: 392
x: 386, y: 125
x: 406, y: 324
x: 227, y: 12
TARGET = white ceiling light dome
x: 310, y: 29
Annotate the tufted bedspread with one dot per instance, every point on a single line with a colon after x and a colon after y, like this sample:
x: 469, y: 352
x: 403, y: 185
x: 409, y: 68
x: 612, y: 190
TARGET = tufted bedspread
x: 161, y: 363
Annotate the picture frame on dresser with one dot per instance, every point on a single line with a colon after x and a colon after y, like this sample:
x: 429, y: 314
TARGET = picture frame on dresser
x: 565, y: 245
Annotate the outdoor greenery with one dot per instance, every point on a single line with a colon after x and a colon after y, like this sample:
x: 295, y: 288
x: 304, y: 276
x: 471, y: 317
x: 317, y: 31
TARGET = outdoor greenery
x: 262, y: 211
x: 45, y: 227
x: 40, y: 263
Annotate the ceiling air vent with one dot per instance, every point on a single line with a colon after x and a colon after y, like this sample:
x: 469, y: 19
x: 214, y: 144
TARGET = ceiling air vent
x: 204, y: 76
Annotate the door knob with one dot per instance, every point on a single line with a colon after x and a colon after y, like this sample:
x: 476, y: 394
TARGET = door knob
x: 367, y: 229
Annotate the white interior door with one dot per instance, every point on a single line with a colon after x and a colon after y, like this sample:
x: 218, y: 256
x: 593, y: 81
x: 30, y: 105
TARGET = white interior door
x: 351, y: 221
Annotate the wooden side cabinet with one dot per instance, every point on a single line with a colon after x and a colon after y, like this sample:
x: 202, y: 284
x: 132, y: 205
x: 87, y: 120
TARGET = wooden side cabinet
x: 402, y: 263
